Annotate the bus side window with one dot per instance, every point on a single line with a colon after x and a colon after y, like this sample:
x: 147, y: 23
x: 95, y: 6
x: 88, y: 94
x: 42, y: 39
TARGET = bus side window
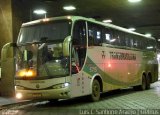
x: 106, y: 35
x: 129, y: 40
x: 122, y: 39
x: 135, y: 43
x: 90, y: 38
x: 150, y: 45
x: 94, y: 34
x: 115, y: 37
x: 118, y: 38
x: 140, y: 42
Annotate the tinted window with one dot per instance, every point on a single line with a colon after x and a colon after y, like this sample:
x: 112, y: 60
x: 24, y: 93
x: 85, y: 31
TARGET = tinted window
x: 151, y: 45
x: 106, y: 35
x: 94, y: 34
x: 118, y: 38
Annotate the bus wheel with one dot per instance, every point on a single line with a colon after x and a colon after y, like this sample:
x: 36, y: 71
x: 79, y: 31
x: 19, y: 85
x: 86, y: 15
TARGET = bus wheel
x: 144, y: 83
x: 148, y: 82
x: 95, y: 96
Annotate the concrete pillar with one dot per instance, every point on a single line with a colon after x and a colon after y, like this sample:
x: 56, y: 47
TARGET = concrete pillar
x: 11, y: 17
x: 5, y: 22
x: 10, y: 23
x: 6, y: 35
x: 7, y: 70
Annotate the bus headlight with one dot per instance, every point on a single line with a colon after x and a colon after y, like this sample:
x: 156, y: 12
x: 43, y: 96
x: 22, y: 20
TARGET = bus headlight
x: 26, y: 73
x: 66, y: 84
x: 61, y: 86
x: 18, y: 95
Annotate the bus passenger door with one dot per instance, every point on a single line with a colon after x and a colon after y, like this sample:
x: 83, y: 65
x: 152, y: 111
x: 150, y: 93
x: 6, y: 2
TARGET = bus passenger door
x: 78, y: 56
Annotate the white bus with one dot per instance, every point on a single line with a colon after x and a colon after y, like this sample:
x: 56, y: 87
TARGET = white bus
x: 72, y: 56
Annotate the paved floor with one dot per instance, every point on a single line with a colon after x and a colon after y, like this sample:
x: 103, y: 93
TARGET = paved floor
x: 126, y: 101
x: 6, y: 101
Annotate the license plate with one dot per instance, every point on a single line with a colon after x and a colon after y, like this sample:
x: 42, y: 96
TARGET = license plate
x: 37, y: 95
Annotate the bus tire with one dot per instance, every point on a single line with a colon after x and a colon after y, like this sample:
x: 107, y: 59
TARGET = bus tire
x: 148, y: 82
x: 95, y: 96
x: 144, y: 83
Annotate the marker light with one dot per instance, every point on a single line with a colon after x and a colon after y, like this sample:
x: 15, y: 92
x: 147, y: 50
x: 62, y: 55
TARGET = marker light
x: 26, y: 73
x: 69, y: 8
x: 18, y: 95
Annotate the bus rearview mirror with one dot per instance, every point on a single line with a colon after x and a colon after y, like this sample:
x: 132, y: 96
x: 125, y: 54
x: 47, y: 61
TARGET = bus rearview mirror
x: 66, y: 46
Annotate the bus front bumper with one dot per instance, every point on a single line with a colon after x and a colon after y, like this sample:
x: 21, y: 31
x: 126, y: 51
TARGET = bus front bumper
x: 62, y: 93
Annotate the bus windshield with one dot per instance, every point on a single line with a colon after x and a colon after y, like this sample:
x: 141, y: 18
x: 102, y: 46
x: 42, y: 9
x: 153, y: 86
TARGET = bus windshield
x: 44, y: 60
x: 40, y: 50
x: 53, y: 31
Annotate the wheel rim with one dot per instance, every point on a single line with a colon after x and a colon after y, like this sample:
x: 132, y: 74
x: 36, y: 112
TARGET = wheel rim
x: 96, y: 90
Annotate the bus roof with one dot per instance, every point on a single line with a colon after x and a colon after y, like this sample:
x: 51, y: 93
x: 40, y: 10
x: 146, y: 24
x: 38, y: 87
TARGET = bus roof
x: 74, y: 18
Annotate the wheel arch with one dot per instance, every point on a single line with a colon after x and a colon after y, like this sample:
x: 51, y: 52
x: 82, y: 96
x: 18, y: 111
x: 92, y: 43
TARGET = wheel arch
x: 100, y: 80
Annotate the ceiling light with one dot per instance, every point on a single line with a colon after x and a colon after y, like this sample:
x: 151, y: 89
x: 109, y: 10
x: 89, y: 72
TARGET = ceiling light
x: 69, y: 8
x: 39, y: 11
x: 107, y: 21
x: 131, y: 29
x: 148, y: 35
x: 134, y: 0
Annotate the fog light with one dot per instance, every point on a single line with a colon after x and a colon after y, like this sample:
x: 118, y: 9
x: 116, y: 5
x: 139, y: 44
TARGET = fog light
x: 18, y: 95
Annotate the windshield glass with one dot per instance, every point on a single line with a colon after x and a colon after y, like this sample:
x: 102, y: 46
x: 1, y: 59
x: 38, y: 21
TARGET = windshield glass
x: 42, y: 50
x: 53, y: 31
x: 41, y: 61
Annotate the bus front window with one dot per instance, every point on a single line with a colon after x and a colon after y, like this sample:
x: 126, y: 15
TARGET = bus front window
x: 46, y: 60
x: 40, y: 53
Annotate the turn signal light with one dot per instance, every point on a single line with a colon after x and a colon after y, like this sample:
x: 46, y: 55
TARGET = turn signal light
x: 26, y: 73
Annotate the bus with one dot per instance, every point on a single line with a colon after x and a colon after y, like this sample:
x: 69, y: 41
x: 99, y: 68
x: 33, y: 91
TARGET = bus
x: 72, y: 56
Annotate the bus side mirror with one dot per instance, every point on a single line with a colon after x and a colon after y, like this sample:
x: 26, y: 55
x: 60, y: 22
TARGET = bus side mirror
x: 66, y: 46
